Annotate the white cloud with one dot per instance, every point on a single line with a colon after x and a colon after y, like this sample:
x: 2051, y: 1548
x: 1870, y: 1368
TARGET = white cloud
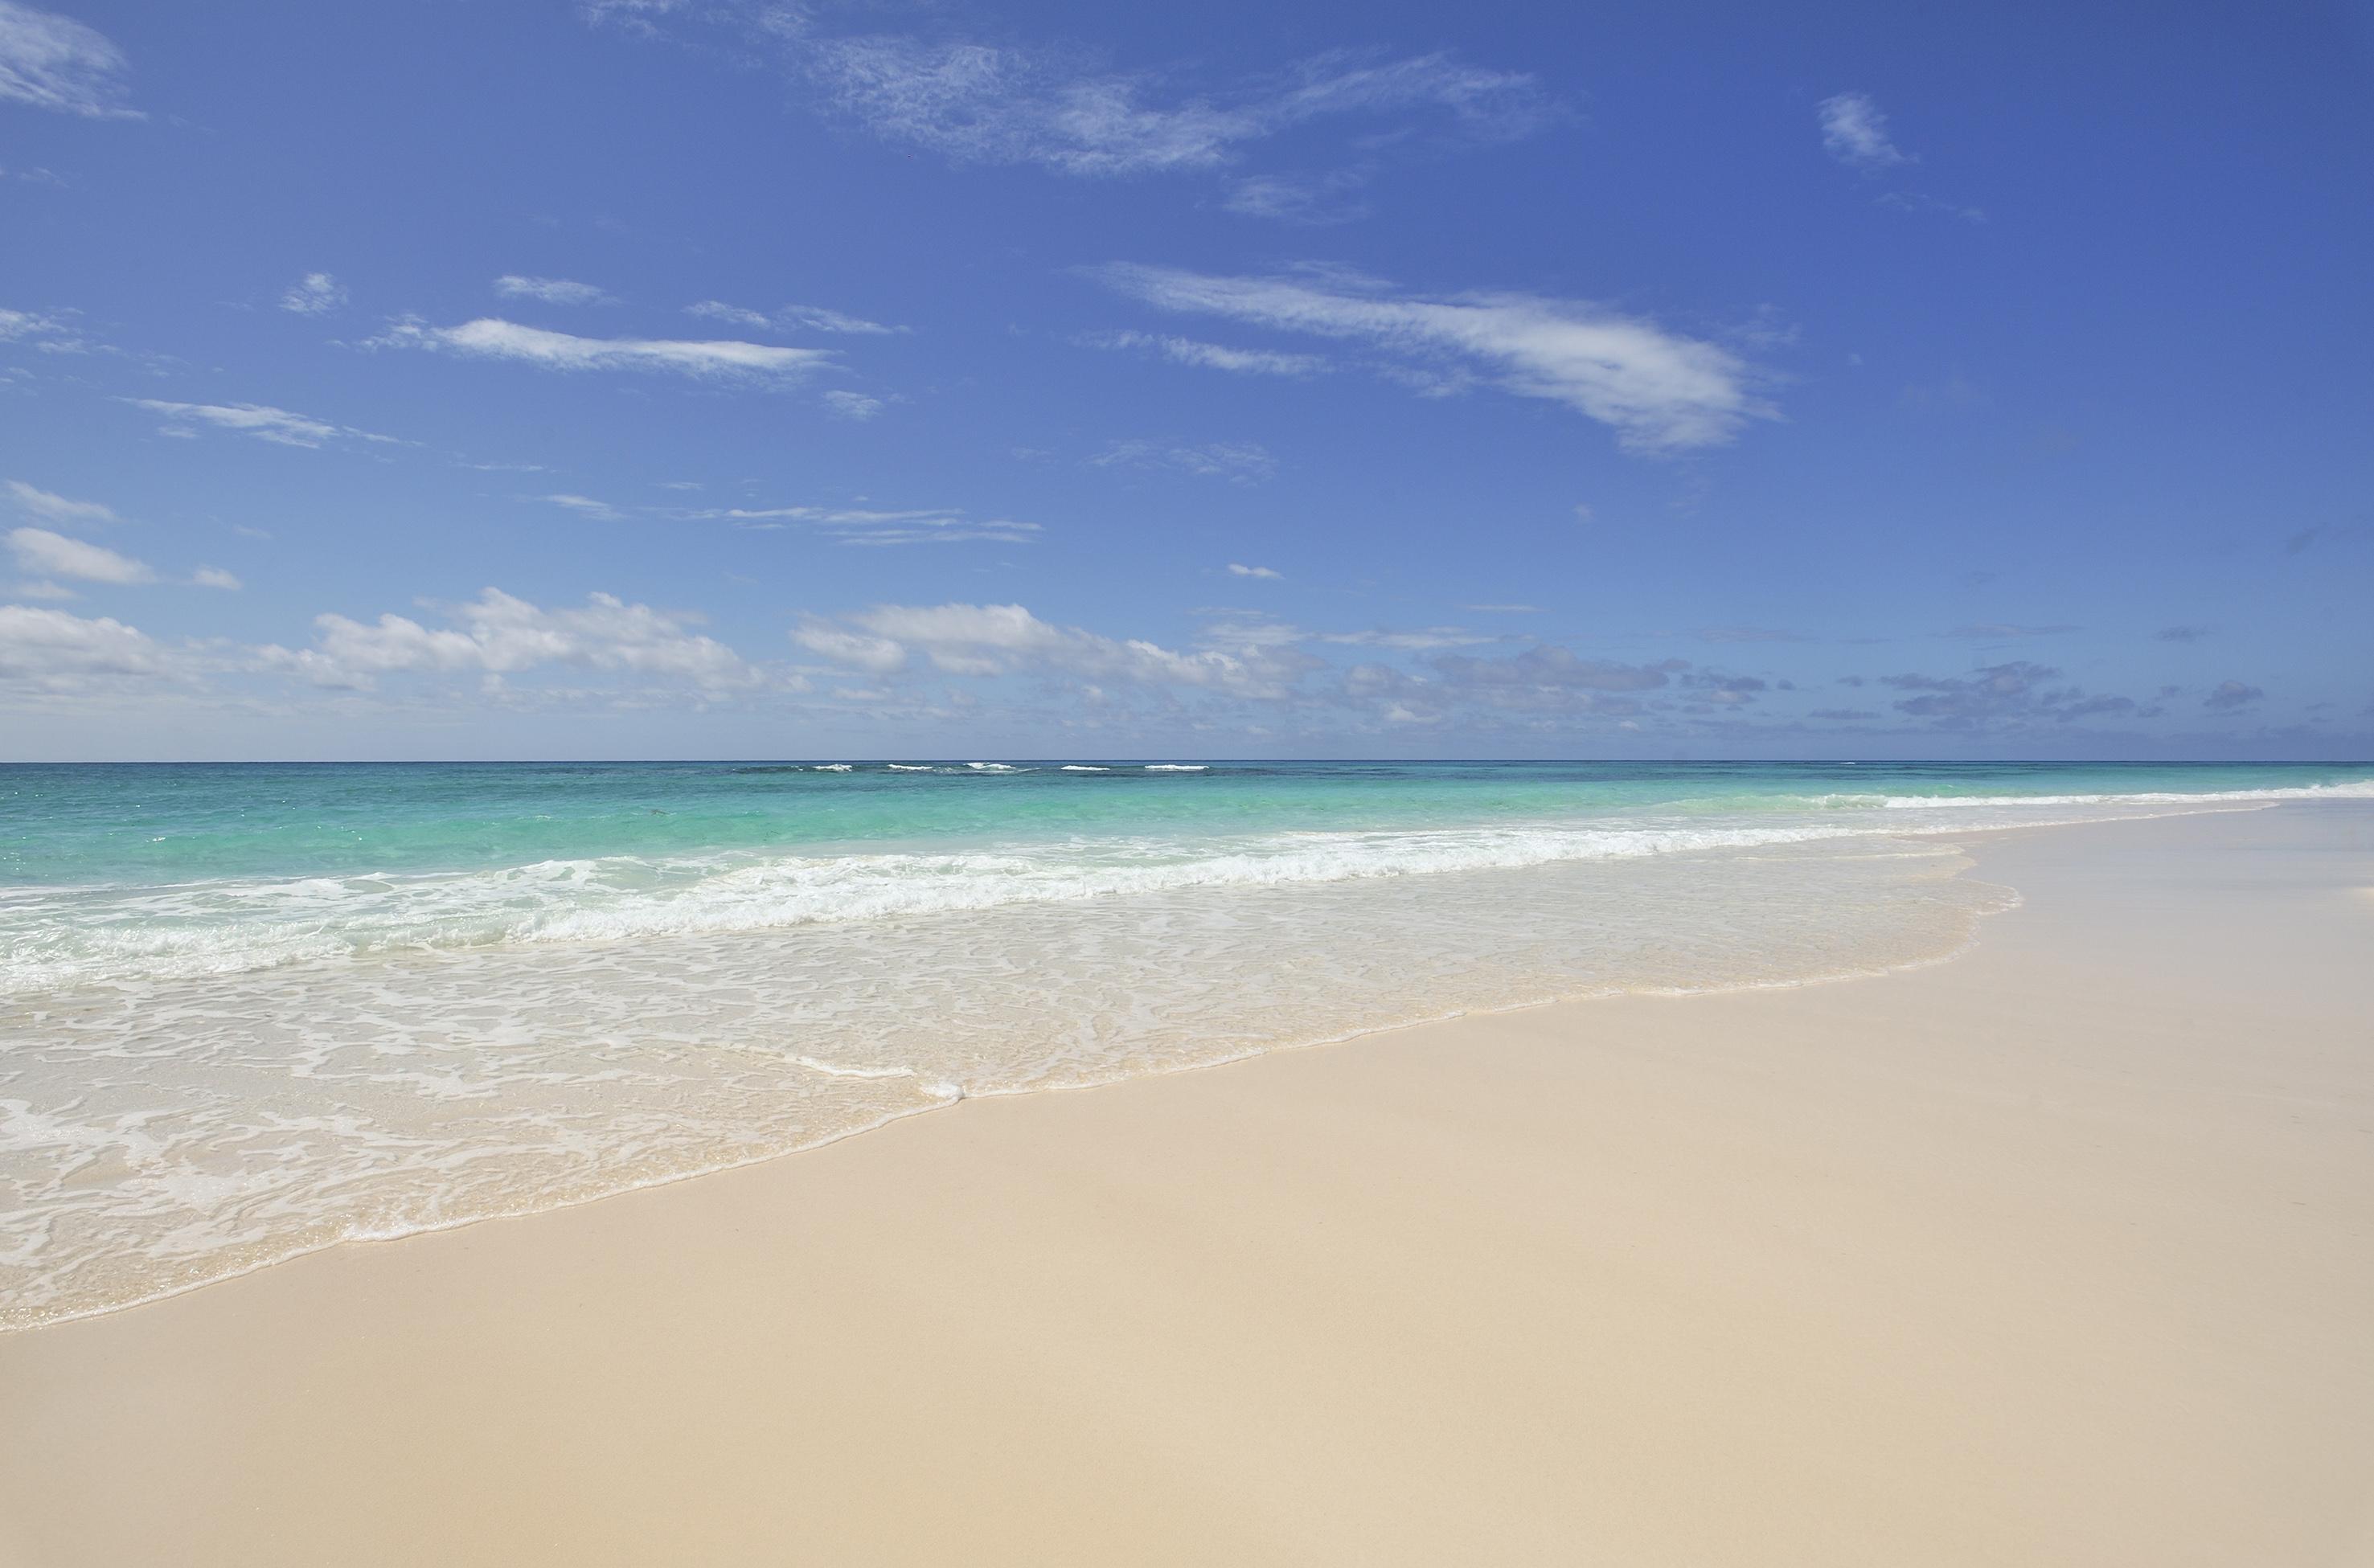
x: 733, y: 315
x: 981, y: 103
x: 42, y: 329
x: 1213, y: 356
x: 260, y: 420
x: 52, y: 61
x: 316, y: 293
x: 1855, y: 131
x: 857, y: 525
x: 854, y: 405
x: 1245, y: 462
x: 215, y: 577
x: 551, y: 290
x: 489, y: 339
x: 1407, y: 642
x: 998, y: 639
x: 1311, y: 199
x: 586, y: 506
x: 43, y: 589
x: 496, y: 634
x: 812, y: 317
x: 816, y: 318
x: 49, y: 508
x: 58, y: 652
x: 1658, y: 390
x: 54, y: 555
x: 856, y: 648
x: 1237, y: 570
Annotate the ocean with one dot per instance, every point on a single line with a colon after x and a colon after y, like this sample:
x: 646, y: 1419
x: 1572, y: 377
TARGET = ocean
x: 249, y: 1010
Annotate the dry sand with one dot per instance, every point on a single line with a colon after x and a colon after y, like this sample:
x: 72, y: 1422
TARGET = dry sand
x: 2061, y: 1252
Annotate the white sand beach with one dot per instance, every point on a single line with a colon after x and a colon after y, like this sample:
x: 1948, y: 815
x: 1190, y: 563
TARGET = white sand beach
x: 2060, y: 1251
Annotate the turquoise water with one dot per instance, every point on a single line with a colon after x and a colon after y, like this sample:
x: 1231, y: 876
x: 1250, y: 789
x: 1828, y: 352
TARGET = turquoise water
x: 70, y: 825
x: 250, y: 1010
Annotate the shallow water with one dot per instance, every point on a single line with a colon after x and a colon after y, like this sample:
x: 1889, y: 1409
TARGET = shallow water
x: 247, y: 1013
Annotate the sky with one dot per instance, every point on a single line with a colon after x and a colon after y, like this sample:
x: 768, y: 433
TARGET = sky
x: 730, y: 378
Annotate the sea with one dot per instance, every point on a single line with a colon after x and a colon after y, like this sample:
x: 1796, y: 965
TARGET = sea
x: 250, y: 1010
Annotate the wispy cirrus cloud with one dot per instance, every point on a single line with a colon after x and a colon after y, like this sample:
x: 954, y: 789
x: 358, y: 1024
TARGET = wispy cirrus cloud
x: 1658, y: 390
x: 65, y: 512
x: 52, y: 332
x: 983, y: 103
x: 1244, y: 461
x: 1310, y: 200
x: 54, y: 61
x: 867, y: 526
x: 491, y: 338
x: 260, y: 420
x: 792, y: 317
x: 856, y: 405
x: 316, y: 293
x: 585, y: 506
x: 1211, y: 356
x: 1238, y: 568
x: 1854, y: 131
x: 552, y: 290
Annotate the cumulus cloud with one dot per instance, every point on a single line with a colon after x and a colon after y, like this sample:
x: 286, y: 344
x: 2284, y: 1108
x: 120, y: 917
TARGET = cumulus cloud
x: 982, y: 104
x: 1856, y: 133
x: 259, y: 420
x: 489, y: 339
x: 496, y: 634
x: 55, y: 651
x: 858, y: 650
x: 1236, y: 569
x: 54, y: 555
x: 1004, y: 639
x: 1658, y: 390
x: 215, y: 577
x: 1212, y: 355
x: 54, y: 61
x: 551, y: 290
x: 46, y: 506
x: 2014, y: 695
x: 316, y: 293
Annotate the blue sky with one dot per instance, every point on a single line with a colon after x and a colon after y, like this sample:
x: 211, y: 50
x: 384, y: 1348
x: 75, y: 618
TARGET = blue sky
x: 716, y: 377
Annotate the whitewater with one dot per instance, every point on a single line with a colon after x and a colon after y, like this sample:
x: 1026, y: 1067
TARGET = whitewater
x: 247, y: 1011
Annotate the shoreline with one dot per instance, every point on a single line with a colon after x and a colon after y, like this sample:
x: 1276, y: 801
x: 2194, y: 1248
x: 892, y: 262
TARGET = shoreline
x: 2004, y: 899
x: 858, y: 1239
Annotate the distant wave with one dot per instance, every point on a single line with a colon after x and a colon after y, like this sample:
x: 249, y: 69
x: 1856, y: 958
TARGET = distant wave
x: 1084, y: 768
x: 1176, y: 766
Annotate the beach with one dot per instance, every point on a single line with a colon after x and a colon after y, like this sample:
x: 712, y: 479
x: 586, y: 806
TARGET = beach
x: 2058, y: 1250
